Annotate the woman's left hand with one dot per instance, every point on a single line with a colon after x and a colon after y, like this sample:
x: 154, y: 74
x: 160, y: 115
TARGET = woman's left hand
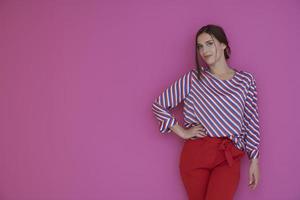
x: 253, y: 174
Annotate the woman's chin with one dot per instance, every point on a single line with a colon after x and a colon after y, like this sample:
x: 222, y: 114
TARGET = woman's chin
x: 209, y: 62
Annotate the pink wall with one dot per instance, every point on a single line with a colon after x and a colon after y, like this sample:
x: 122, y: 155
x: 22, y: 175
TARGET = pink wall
x: 78, y: 79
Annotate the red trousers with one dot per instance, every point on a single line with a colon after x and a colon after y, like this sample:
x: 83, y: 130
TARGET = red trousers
x: 210, y: 168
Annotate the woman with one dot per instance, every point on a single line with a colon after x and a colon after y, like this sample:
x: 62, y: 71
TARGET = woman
x: 221, y: 120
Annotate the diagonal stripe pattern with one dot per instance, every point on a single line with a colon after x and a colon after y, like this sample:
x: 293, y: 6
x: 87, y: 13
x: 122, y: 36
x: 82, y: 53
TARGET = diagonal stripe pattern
x: 226, y: 108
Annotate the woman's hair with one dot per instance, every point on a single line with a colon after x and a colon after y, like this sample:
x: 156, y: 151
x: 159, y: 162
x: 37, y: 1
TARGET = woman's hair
x: 219, y: 34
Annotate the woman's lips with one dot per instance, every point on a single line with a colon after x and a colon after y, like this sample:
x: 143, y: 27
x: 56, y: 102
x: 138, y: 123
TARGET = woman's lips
x: 207, y: 56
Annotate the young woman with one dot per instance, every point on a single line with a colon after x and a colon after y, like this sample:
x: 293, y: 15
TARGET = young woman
x: 220, y: 120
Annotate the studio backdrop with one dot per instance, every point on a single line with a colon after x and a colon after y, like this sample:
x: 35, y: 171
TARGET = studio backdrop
x: 78, y: 79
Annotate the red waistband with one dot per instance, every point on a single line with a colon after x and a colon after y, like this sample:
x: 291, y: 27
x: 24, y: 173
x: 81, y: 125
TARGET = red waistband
x: 224, y: 145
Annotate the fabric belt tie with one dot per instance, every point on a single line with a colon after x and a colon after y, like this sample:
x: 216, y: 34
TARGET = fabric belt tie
x: 224, y: 146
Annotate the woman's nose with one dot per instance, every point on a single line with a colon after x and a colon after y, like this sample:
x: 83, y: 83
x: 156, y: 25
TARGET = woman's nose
x: 204, y: 50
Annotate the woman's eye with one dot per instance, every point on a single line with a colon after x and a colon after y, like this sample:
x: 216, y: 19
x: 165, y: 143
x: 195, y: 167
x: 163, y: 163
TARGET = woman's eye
x: 210, y: 43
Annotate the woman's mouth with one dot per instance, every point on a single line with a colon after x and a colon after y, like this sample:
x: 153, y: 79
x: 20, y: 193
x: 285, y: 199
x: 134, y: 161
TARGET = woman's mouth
x: 208, y: 56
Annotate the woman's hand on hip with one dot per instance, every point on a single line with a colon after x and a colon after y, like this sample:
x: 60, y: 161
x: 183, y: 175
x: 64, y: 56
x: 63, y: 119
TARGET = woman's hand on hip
x: 195, y: 132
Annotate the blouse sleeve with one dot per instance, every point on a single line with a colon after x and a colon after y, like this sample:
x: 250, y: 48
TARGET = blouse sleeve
x: 251, y: 122
x: 169, y: 99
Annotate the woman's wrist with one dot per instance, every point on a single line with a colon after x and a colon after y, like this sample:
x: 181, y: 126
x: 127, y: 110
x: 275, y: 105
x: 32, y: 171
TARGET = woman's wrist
x: 178, y: 130
x: 254, y: 160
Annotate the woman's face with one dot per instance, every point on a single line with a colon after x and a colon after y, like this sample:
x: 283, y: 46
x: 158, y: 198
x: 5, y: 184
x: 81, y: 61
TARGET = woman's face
x: 210, y: 49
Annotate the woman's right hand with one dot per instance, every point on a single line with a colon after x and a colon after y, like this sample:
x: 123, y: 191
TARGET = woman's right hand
x: 194, y: 132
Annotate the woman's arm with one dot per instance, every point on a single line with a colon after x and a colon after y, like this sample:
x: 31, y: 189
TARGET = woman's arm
x: 252, y: 139
x: 251, y: 122
x: 169, y: 99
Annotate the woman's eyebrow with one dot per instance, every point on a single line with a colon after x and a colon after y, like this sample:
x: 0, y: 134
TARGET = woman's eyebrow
x: 205, y: 42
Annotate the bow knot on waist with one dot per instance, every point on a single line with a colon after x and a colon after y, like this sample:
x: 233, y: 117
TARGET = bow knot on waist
x: 225, y: 146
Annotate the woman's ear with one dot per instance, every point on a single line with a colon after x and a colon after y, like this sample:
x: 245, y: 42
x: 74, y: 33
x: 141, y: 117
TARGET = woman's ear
x: 224, y: 46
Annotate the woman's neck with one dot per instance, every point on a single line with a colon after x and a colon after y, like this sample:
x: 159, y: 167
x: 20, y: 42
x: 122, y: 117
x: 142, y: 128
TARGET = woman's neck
x: 220, y: 68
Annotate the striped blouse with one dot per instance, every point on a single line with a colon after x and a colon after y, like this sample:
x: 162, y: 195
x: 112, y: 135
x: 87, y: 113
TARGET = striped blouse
x: 226, y: 108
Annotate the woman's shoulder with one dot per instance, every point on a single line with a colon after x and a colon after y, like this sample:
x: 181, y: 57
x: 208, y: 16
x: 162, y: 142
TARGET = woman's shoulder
x: 194, y: 70
x: 189, y: 73
x: 247, y: 76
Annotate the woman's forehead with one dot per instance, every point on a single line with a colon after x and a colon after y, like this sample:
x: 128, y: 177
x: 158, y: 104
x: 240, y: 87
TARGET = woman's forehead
x: 203, y: 38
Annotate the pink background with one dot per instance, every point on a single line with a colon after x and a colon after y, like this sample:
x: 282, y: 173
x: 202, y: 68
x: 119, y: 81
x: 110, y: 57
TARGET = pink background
x: 78, y: 79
